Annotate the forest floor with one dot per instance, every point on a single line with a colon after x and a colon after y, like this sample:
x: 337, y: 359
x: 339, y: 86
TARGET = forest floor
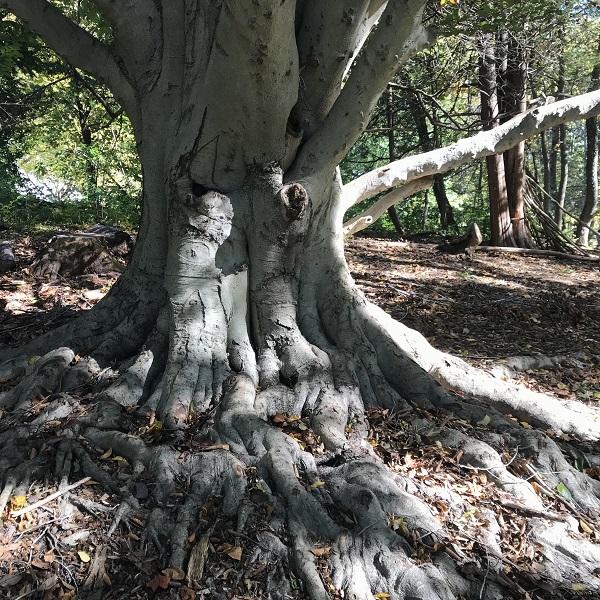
x: 484, y: 309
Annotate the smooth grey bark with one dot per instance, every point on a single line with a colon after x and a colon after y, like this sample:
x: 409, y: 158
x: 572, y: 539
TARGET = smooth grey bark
x: 238, y: 301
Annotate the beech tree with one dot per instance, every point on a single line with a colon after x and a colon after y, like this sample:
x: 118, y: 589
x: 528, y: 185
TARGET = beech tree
x: 238, y: 299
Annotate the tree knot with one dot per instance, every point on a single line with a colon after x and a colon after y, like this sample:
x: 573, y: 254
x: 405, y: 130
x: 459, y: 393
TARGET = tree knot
x: 294, y: 199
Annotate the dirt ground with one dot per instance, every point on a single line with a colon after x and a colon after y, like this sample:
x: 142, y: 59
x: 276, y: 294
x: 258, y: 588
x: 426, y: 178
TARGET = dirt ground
x: 485, y: 309
x: 491, y: 306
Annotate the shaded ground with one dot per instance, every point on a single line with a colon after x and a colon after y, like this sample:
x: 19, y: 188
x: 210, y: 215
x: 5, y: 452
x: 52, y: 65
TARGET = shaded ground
x: 490, y: 307
x: 484, y: 309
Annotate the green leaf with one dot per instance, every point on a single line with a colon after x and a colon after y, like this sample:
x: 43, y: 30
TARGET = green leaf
x: 563, y: 490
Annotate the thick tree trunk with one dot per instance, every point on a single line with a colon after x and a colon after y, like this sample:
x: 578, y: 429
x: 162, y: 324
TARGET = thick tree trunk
x: 500, y: 222
x: 238, y: 306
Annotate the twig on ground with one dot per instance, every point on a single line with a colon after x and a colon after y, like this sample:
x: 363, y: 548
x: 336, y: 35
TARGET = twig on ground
x: 40, y: 503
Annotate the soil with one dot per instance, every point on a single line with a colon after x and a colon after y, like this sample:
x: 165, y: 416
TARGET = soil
x: 484, y: 309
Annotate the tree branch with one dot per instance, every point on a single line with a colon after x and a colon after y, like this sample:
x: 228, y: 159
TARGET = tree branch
x: 74, y: 44
x: 485, y: 143
x: 371, y: 214
x: 136, y: 26
x: 328, y: 39
x: 399, y: 34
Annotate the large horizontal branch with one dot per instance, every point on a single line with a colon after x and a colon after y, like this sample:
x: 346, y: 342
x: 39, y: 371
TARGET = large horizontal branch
x: 485, y: 143
x: 371, y: 214
x: 74, y: 44
x: 399, y: 34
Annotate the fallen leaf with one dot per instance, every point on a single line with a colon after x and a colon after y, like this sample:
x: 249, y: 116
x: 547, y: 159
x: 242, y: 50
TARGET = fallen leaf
x: 17, y: 502
x: 235, y: 553
x: 564, y: 491
x: 38, y: 563
x: 278, y: 418
x: 485, y: 421
x: 216, y: 447
x: 321, y: 550
x: 48, y: 584
x: 159, y: 582
x: 381, y: 596
x: 186, y: 593
x: 107, y: 453
x: 585, y: 527
x: 84, y: 556
x: 174, y: 573
x: 316, y: 484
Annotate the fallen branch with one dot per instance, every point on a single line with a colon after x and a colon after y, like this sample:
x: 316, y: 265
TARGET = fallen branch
x: 40, y: 503
x: 538, y: 252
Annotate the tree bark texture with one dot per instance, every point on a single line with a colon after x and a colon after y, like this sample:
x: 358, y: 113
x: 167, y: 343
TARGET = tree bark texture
x: 500, y: 222
x: 512, y: 83
x: 591, y: 169
x: 238, y: 306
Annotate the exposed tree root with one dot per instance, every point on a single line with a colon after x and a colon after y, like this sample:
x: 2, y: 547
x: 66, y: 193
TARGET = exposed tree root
x: 303, y: 417
x: 381, y: 530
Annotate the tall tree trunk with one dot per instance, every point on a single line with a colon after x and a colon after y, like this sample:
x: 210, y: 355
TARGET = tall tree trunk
x: 427, y: 142
x: 546, y: 169
x: 591, y: 168
x: 558, y: 167
x: 513, y: 81
x: 591, y: 181
x: 561, y: 192
x: 392, y: 212
x: 500, y: 222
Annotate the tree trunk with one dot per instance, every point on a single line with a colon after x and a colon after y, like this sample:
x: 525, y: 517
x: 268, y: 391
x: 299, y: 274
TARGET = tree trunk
x: 391, y: 211
x: 591, y: 181
x: 513, y: 85
x: 238, y: 306
x: 558, y: 152
x: 546, y: 166
x: 500, y: 222
x: 427, y: 143
x: 591, y: 169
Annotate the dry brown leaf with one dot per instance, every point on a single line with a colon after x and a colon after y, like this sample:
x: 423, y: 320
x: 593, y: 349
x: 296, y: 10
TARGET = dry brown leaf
x: 159, y: 582
x: 174, y: 573
x: 216, y: 447
x: 107, y: 453
x: 321, y: 550
x: 84, y: 556
x: 186, y: 593
x: 585, y: 527
x: 235, y: 553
